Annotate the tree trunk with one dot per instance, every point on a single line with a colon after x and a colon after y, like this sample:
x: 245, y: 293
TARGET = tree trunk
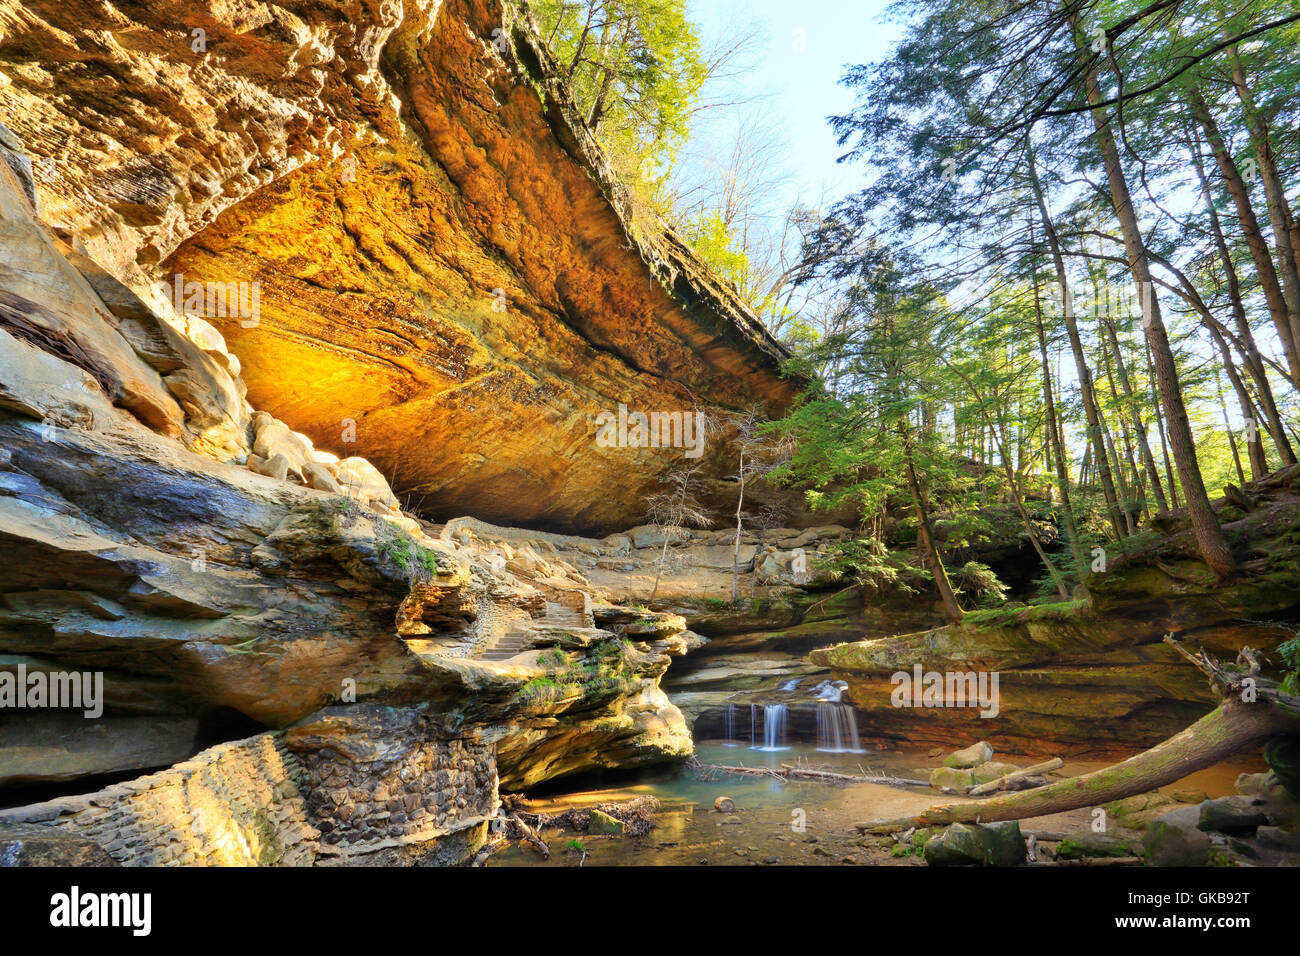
x: 1160, y: 427
x: 1254, y: 441
x: 1209, y: 536
x: 1249, y: 350
x: 931, y: 550
x: 1054, y: 439
x: 1090, y: 408
x: 1227, y: 427
x: 1279, y: 212
x: 1135, y: 415
x: 1231, y: 727
x: 1259, y: 251
x: 735, y: 549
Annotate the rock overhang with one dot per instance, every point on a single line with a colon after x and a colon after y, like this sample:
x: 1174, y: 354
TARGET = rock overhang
x: 446, y: 264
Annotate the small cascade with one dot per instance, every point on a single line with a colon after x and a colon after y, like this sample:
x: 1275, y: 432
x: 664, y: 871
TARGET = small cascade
x: 753, y: 719
x: 791, y: 684
x: 830, y: 690
x: 837, y: 728
x: 731, y: 725
x: 774, y: 726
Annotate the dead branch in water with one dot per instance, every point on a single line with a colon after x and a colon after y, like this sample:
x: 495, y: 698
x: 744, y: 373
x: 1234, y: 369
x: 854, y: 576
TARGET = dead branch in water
x: 788, y: 772
x: 494, y: 842
x: 1242, y: 720
x: 527, y: 833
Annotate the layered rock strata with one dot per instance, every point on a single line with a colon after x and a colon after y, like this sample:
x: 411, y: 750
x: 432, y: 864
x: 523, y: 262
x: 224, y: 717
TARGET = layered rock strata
x: 215, y: 591
x: 449, y: 280
x: 1095, y: 677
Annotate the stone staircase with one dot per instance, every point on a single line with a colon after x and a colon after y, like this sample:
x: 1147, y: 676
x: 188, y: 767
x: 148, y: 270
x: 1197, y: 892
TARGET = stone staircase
x: 561, y: 615
x: 506, y: 645
x: 569, y: 609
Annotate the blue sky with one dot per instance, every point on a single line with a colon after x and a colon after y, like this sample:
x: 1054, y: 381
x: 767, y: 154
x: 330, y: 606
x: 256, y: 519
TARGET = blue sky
x: 802, y: 50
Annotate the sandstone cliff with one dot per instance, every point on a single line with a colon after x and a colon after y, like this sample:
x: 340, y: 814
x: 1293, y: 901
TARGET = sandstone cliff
x: 230, y: 556
x: 451, y: 282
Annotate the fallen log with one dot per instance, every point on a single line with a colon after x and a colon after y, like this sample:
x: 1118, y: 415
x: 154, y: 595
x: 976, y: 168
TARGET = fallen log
x: 1006, y: 781
x: 494, y: 843
x: 787, y: 771
x: 1234, y: 725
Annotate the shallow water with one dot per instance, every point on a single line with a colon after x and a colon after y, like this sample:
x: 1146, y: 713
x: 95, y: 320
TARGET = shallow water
x: 764, y: 700
x: 784, y: 822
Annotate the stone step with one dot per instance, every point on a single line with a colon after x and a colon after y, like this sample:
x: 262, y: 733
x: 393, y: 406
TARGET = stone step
x: 505, y: 646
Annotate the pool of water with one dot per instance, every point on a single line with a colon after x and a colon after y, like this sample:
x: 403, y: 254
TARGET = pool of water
x: 783, y: 822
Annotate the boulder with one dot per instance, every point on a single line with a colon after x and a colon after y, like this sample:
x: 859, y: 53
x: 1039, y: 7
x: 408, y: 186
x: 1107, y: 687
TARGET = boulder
x: 1230, y: 815
x: 1173, y: 839
x: 276, y: 438
x: 1276, y: 838
x: 951, y: 778
x: 1095, y: 845
x: 653, y: 536
x: 277, y: 467
x: 1256, y: 784
x: 1139, y: 810
x: 364, y: 481
x: 981, y: 844
x: 769, y: 567
x: 992, y: 770
x: 602, y: 823
x: 1283, y: 757
x: 1137, y: 803
x: 972, y: 756
x: 718, y: 557
x: 617, y: 543
x: 319, y: 477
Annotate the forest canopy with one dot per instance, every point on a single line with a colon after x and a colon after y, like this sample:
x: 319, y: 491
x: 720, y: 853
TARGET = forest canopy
x: 1070, y: 286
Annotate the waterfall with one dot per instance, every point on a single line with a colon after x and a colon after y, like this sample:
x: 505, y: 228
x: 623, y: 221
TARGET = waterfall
x: 774, y: 716
x: 731, y: 725
x: 830, y: 691
x: 837, y: 728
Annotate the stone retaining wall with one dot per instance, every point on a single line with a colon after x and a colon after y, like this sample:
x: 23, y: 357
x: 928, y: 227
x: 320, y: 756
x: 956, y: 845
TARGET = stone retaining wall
x: 373, y: 785
x: 236, y: 804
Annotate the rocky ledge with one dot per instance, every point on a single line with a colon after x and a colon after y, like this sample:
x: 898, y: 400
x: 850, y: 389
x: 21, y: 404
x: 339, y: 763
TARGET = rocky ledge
x: 1094, y: 675
x: 312, y: 673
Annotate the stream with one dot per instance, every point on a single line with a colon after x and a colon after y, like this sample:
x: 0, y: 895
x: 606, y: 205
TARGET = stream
x: 754, y: 705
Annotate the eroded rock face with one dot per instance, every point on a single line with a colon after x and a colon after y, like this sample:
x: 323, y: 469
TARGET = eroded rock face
x: 437, y: 286
x: 1096, y: 677
x: 198, y: 587
x: 208, y: 596
x: 444, y: 262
